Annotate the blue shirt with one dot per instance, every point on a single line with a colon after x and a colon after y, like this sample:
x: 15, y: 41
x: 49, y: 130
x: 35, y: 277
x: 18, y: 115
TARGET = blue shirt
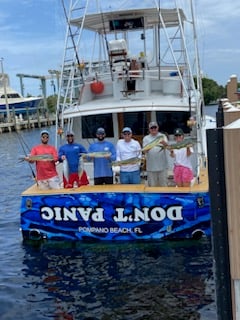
x: 102, y: 166
x: 72, y: 151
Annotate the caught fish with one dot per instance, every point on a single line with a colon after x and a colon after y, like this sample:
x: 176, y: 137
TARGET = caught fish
x: 39, y: 157
x: 179, y: 145
x: 126, y: 161
x: 65, y: 169
x: 154, y: 143
x: 80, y: 169
x: 96, y: 154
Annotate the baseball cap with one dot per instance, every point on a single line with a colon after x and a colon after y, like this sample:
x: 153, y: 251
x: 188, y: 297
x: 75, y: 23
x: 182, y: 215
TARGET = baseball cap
x: 126, y: 129
x: 100, y: 131
x: 153, y: 124
x: 44, y: 132
x: 178, y: 132
x: 70, y: 133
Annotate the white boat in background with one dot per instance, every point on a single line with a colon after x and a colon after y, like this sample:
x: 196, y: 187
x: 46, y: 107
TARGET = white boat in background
x: 13, y: 102
x: 98, y: 89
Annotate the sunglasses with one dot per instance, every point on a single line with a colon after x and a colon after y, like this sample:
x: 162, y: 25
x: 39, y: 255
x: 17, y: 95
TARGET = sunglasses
x: 70, y: 135
x: 126, y: 133
x: 154, y: 127
x: 178, y: 135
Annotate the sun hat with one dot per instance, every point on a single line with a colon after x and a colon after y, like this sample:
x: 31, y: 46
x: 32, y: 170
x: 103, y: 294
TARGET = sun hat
x: 100, y: 131
x: 44, y: 132
x: 126, y: 129
x: 178, y: 132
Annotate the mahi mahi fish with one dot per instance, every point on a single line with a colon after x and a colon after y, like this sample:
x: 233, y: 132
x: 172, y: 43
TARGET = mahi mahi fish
x: 154, y: 143
x: 188, y: 142
x: 39, y: 157
x: 126, y: 161
x: 96, y: 154
x: 65, y: 169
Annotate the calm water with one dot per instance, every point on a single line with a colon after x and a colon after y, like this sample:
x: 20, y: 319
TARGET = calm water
x: 157, y: 280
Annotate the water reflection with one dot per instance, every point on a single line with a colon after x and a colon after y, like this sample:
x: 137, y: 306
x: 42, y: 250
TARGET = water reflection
x: 127, y: 281
x: 160, y: 280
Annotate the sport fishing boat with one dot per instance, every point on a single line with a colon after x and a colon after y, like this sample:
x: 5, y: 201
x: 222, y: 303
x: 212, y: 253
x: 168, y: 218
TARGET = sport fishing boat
x: 12, y: 101
x: 99, y: 89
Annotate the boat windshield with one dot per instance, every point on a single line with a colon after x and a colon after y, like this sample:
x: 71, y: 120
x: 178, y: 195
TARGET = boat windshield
x: 10, y: 96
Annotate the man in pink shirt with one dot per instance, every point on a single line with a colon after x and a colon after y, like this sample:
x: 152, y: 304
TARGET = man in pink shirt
x: 47, y: 177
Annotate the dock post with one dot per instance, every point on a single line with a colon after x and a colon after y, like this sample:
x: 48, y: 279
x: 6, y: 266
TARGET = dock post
x: 220, y: 115
x: 38, y: 117
x: 28, y: 118
x: 231, y: 134
x: 219, y: 222
x: 14, y: 119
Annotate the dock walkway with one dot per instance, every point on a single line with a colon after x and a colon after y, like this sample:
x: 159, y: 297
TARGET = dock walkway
x: 27, y: 124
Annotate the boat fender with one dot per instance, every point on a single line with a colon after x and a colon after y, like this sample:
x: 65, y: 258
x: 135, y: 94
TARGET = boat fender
x: 197, y: 234
x: 35, y: 234
x: 97, y: 87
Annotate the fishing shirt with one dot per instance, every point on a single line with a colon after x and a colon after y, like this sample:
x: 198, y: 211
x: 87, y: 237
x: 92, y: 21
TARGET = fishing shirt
x: 126, y: 150
x: 72, y: 151
x: 156, y: 159
x: 45, y: 169
x: 102, y: 166
x: 181, y: 158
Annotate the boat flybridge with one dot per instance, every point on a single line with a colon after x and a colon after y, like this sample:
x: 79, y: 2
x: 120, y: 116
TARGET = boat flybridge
x: 96, y: 77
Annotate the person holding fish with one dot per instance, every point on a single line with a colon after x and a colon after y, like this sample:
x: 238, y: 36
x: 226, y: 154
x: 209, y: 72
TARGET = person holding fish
x: 70, y: 154
x: 45, y: 156
x: 156, y: 158
x: 102, y: 153
x: 182, y: 171
x: 128, y: 155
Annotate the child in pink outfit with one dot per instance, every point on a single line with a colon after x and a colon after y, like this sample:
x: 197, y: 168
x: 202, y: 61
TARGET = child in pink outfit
x: 182, y: 171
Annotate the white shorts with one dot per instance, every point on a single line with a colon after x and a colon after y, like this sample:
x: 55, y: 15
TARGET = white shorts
x: 52, y: 183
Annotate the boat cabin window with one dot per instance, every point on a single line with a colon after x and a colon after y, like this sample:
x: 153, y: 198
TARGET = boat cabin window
x: 137, y: 121
x: 10, y: 95
x: 126, y: 24
x: 168, y: 121
x: 91, y: 123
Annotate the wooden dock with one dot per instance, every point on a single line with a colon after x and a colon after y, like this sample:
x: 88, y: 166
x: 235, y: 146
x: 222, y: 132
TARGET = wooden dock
x: 20, y: 124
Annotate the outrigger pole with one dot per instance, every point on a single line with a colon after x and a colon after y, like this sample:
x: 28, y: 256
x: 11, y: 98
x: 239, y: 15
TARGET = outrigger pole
x: 105, y: 38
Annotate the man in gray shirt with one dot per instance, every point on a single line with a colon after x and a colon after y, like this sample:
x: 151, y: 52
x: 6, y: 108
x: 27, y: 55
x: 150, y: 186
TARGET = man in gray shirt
x: 156, y: 159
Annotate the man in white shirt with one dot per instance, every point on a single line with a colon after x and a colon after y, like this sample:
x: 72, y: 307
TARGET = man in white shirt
x: 129, y: 148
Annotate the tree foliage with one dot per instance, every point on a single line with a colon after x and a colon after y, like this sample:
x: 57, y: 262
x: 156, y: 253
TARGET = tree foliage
x: 52, y: 103
x: 212, y: 91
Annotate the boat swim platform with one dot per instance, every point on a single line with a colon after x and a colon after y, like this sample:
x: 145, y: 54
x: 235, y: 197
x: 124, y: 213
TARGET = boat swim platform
x: 201, y: 186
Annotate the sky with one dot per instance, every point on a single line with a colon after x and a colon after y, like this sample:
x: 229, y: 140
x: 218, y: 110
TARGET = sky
x: 33, y: 33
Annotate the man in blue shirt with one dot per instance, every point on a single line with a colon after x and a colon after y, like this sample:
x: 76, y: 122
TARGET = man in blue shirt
x: 105, y: 154
x: 69, y: 154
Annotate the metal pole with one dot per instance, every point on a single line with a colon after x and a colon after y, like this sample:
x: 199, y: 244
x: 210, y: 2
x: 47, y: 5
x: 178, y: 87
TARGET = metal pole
x: 5, y: 91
